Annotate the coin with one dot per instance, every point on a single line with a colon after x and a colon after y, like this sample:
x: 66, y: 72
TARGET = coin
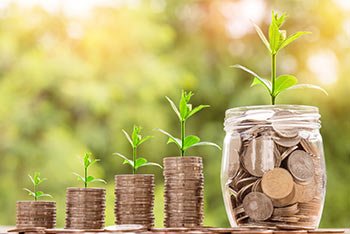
x: 305, y: 193
x: 277, y: 183
x: 287, y: 141
x: 258, y: 206
x: 326, y: 231
x: 288, y: 219
x: 244, y: 191
x: 301, y: 166
x: 289, y: 232
x: 281, y: 124
x: 286, y: 211
x: 259, y: 157
x: 293, y: 227
x: 284, y: 201
x: 245, y: 181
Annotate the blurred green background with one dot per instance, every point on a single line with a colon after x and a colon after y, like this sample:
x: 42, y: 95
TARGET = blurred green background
x: 74, y: 73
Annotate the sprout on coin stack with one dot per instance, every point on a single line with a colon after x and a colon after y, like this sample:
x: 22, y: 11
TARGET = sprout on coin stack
x: 273, y: 171
x: 135, y: 192
x: 36, y: 213
x: 184, y: 180
x: 85, y: 207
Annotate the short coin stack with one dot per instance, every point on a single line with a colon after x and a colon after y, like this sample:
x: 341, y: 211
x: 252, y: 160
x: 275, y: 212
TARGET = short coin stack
x: 85, y: 208
x: 134, y: 199
x: 183, y: 192
x: 279, y: 180
x: 35, y: 214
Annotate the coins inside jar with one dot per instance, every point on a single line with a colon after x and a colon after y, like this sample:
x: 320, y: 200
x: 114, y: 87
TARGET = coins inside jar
x: 280, y: 164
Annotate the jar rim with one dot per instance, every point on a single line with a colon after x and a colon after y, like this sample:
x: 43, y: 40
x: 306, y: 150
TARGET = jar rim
x: 301, y: 116
x: 301, y: 108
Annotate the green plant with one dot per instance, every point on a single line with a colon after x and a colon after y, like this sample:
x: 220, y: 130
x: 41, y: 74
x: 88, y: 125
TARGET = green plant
x: 184, y: 112
x: 135, y: 141
x: 86, y: 179
x: 36, y: 180
x: 277, y: 40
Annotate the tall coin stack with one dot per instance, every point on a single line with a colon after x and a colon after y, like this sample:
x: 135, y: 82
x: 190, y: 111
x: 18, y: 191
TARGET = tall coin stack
x: 85, y: 208
x: 183, y: 195
x: 134, y: 199
x: 35, y: 214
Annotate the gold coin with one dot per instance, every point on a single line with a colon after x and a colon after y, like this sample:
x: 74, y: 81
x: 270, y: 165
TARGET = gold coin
x: 277, y: 183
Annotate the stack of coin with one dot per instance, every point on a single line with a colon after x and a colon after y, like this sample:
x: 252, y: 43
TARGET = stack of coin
x: 274, y: 170
x: 183, y: 191
x: 134, y: 199
x: 35, y: 214
x: 85, y: 208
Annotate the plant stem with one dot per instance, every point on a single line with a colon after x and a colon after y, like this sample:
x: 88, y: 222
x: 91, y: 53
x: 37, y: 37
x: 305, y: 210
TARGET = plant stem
x: 134, y: 159
x: 85, y: 174
x: 183, y: 125
x: 35, y: 197
x: 273, y: 77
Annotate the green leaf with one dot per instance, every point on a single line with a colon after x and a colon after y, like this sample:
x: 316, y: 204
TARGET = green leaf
x: 128, y: 137
x: 284, y: 82
x: 177, y: 141
x: 308, y: 86
x: 87, y: 160
x: 30, y: 193
x: 261, y: 81
x: 274, y: 37
x: 32, y: 179
x: 183, y: 106
x: 126, y: 160
x: 190, y: 141
x: 89, y: 179
x: 266, y: 83
x: 151, y: 164
x: 98, y: 180
x: 35, y: 179
x: 171, y: 138
x: 279, y: 20
x: 262, y: 36
x: 39, y: 194
x: 139, y: 162
x: 174, y: 107
x: 135, y: 136
x: 283, y: 35
x: 79, y: 177
x: 144, y: 139
x: 93, y: 162
x: 292, y: 38
x: 196, y: 109
x: 207, y: 143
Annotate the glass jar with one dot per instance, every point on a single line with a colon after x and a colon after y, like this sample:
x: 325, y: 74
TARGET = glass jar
x: 273, y: 170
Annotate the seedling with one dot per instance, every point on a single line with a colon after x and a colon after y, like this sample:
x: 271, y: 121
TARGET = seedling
x: 277, y: 40
x: 36, y: 180
x: 135, y: 141
x: 86, y: 179
x: 184, y: 112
